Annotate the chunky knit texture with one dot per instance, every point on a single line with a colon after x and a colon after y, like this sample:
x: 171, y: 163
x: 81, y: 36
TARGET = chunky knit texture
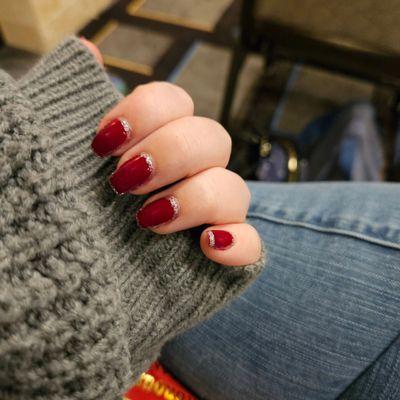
x: 86, y: 298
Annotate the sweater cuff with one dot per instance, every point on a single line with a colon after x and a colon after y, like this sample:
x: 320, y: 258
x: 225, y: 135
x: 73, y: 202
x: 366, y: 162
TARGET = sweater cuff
x: 69, y: 64
x: 70, y: 92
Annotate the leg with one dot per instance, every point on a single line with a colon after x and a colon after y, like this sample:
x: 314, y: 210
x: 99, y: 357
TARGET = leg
x: 238, y: 58
x: 380, y: 381
x: 326, y: 306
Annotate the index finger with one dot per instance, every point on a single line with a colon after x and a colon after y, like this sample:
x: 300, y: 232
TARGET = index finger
x: 146, y: 109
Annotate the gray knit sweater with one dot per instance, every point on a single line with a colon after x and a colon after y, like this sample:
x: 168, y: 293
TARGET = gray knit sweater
x: 86, y: 298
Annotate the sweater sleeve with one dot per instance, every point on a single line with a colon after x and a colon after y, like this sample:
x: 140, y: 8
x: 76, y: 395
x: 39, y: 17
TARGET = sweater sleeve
x: 86, y: 298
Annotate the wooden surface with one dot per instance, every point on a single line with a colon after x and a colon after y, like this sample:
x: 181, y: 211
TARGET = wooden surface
x: 38, y: 25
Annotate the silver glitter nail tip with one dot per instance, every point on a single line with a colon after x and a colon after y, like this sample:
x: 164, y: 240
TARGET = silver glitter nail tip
x: 211, y: 238
x: 137, y: 218
x: 149, y: 161
x: 126, y: 126
x: 175, y: 205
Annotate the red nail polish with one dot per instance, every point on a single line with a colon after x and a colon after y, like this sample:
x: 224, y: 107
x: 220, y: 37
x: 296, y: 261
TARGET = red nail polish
x: 111, y: 137
x: 132, y: 173
x: 220, y: 240
x: 158, y: 212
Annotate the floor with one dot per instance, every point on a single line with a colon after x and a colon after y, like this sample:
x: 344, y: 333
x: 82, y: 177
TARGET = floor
x: 189, y: 42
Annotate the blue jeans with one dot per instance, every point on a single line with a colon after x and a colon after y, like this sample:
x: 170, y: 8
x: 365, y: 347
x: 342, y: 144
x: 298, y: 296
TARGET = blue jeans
x: 323, y: 319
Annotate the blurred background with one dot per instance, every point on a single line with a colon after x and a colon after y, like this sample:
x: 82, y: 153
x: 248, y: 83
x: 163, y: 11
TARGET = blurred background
x: 308, y: 90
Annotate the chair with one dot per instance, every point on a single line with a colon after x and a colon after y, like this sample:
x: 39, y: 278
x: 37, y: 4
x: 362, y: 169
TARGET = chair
x: 360, y: 38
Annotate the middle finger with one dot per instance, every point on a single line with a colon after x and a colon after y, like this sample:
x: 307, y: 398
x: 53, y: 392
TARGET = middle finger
x: 179, y: 149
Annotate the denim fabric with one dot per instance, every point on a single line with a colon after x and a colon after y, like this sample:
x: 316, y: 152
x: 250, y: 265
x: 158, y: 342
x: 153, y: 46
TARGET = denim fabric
x: 323, y: 320
x: 381, y: 380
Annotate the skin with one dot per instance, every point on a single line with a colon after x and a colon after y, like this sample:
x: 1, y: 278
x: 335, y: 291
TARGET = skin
x: 191, y: 154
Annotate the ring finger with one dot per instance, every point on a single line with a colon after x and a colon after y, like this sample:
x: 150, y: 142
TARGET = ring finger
x: 215, y: 196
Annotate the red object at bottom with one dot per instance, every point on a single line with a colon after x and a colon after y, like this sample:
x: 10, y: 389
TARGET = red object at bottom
x: 156, y: 384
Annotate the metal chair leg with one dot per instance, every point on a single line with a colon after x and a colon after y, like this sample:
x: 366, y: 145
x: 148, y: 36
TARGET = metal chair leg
x: 238, y: 58
x: 385, y: 102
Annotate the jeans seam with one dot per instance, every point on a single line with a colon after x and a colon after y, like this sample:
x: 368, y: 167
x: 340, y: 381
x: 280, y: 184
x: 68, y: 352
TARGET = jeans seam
x: 291, y: 214
x: 314, y: 227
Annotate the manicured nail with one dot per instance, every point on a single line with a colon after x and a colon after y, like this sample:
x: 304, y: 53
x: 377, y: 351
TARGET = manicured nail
x: 220, y: 240
x: 111, y: 137
x: 132, y: 173
x: 158, y: 212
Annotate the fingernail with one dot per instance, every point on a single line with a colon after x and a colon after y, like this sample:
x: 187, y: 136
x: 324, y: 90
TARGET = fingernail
x: 220, y: 240
x: 158, y: 212
x: 132, y: 174
x: 111, y: 137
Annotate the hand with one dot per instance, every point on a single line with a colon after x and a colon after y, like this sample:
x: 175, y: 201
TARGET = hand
x: 161, y: 143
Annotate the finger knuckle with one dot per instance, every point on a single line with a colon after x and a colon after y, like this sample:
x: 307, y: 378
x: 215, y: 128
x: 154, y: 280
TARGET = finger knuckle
x: 140, y: 89
x: 155, y: 90
x: 225, y: 140
x: 247, y: 194
x: 185, y: 98
x: 219, y: 130
x: 226, y: 137
x: 145, y: 93
x: 245, y: 191
x: 241, y: 187
x: 206, y: 188
x: 183, y: 147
